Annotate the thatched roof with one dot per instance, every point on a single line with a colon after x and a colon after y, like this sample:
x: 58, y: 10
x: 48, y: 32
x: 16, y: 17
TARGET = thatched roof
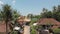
x: 44, y: 21
x: 23, y: 19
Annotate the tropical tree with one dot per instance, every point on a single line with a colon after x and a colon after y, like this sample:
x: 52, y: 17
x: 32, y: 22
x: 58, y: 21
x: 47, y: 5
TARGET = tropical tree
x: 55, y: 13
x: 15, y: 14
x: 8, y: 14
x: 45, y: 13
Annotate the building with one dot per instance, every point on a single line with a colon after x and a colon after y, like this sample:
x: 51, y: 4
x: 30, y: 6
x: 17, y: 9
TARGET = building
x: 22, y: 20
x: 49, y: 21
x: 46, y: 24
x: 3, y: 27
x: 23, y: 23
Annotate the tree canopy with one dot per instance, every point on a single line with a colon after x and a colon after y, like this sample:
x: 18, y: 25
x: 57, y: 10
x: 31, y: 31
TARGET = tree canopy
x: 55, y: 13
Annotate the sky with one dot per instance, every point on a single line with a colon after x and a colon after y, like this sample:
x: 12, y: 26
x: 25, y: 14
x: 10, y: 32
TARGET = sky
x: 35, y: 7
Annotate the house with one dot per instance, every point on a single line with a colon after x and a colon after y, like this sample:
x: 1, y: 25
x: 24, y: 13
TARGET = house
x: 23, y: 22
x: 47, y: 25
x: 49, y: 21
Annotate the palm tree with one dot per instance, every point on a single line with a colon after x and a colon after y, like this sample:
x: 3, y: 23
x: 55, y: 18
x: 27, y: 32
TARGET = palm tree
x: 7, y: 15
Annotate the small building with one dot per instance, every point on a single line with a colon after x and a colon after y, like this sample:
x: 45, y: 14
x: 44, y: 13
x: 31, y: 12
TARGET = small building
x: 23, y: 22
x: 47, y: 23
x: 3, y: 27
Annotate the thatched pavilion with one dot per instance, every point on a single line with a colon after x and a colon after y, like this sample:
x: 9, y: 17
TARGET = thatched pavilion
x: 47, y: 24
x: 23, y: 23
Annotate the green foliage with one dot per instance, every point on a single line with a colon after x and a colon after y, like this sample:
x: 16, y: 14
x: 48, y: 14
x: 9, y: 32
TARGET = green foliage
x: 55, y: 13
x: 33, y: 29
x: 14, y: 32
x: 8, y: 14
x: 15, y: 15
x: 56, y: 30
x: 46, y: 14
x: 30, y: 16
x: 33, y: 20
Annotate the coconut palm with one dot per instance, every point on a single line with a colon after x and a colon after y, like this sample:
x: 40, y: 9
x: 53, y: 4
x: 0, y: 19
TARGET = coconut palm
x: 7, y: 15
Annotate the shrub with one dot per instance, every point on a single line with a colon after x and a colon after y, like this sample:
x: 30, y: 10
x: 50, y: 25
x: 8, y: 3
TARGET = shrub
x: 56, y: 31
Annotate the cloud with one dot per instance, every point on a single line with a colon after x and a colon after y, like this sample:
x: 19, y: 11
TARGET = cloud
x: 1, y: 3
x: 13, y: 2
